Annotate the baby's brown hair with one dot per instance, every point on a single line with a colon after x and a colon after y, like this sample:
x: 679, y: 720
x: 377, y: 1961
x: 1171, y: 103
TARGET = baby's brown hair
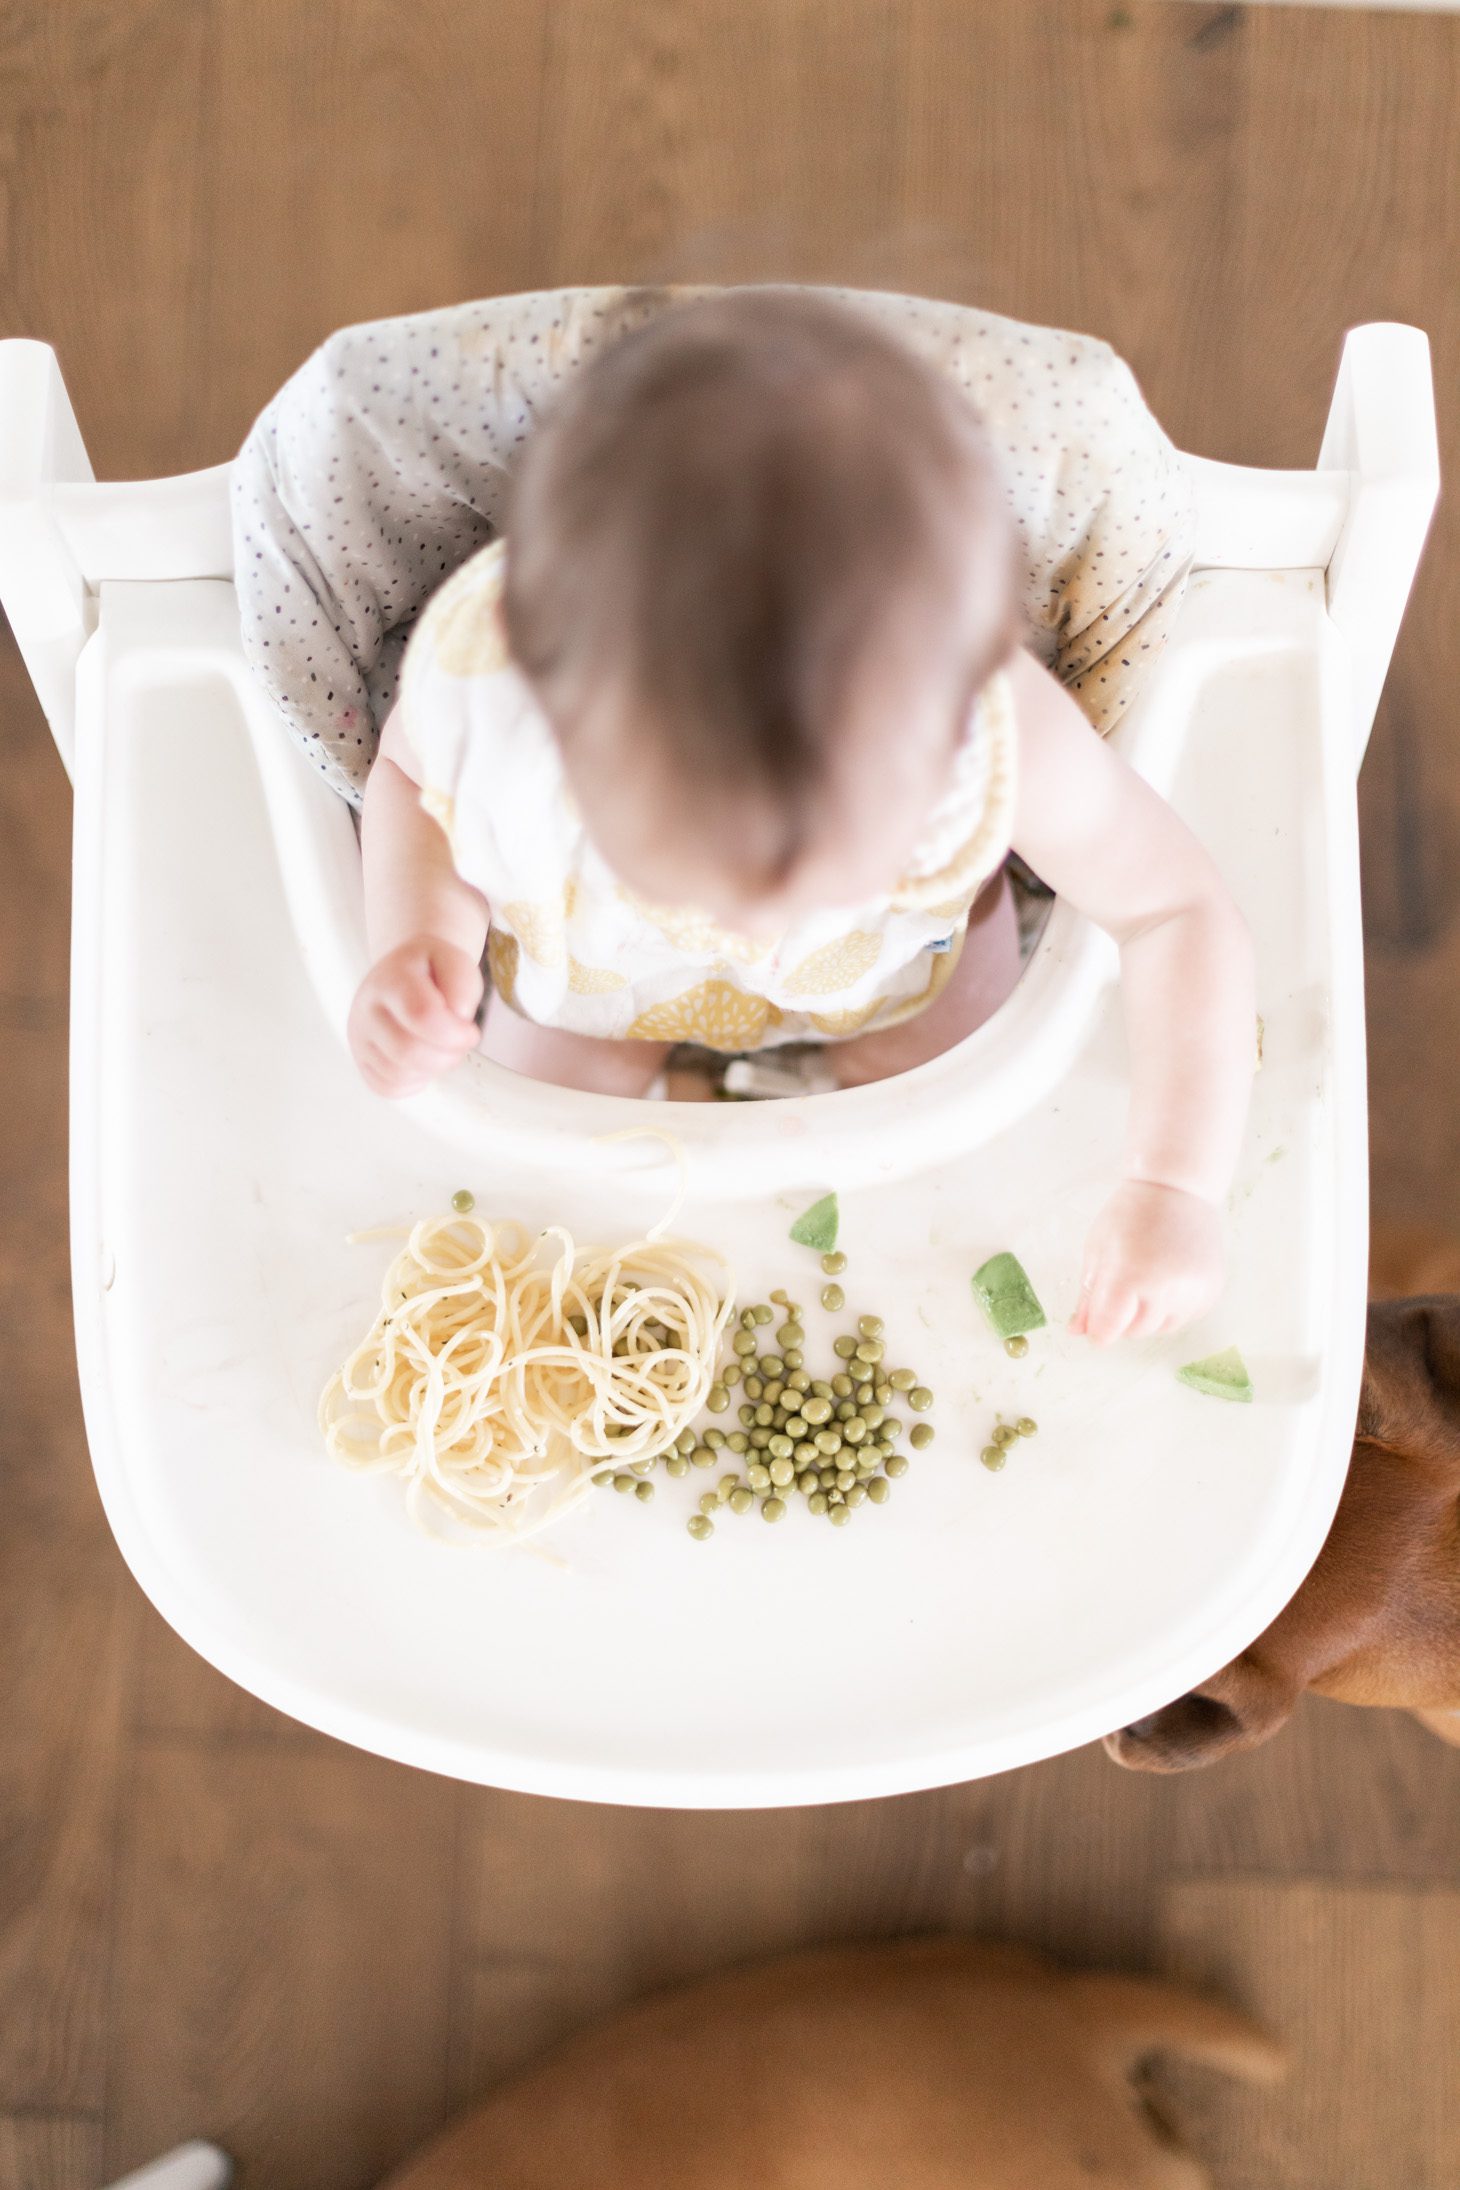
x: 734, y: 509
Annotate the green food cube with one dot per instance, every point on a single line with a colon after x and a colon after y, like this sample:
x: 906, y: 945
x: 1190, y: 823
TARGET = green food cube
x: 1220, y: 1376
x: 817, y: 1228
x: 1006, y: 1297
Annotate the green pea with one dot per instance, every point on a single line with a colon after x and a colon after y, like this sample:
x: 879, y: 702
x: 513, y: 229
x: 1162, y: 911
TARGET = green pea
x: 822, y: 1390
x: 782, y: 1472
x: 1025, y: 1426
x: 889, y: 1429
x: 703, y: 1456
x: 764, y: 1416
x: 816, y: 1411
x: 714, y: 1439
x: 882, y: 1393
x: 920, y: 1397
x: 686, y: 1442
x: 774, y: 1509
x: 841, y: 1385
x: 794, y: 1357
x: 710, y: 1502
x: 463, y: 1201
x: 832, y: 1298
x: 817, y: 1502
x: 771, y: 1365
x: 868, y: 1460
x: 763, y: 1314
x: 845, y: 1478
x: 779, y: 1296
x: 676, y: 1464
x: 726, y: 1484
x: 843, y: 1348
x: 747, y: 1319
x: 869, y: 1350
x: 741, y: 1500
x: 826, y: 1477
x: 700, y: 1526
x: 834, y: 1497
x: 747, y: 1417
x: 623, y: 1482
x: 856, y: 1492
x: 796, y: 1426
x: 1004, y: 1433
x: 743, y: 1343
x: 790, y: 1334
x: 644, y: 1492
x: 827, y: 1441
x: 754, y: 1388
x: 805, y: 1452
x: 895, y: 1464
x: 879, y: 1490
x: 737, y: 1441
x: 717, y: 1399
x: 758, y: 1477
x: 834, y: 1263
x: 844, y: 1410
x: 798, y: 1381
x: 920, y: 1434
x: 781, y: 1447
x: 902, y: 1380
x: 870, y: 1326
x: 772, y: 1393
x: 839, y: 1516
x: 854, y: 1430
x: 730, y: 1375
x: 641, y: 1467
x: 993, y: 1457
x: 1016, y: 1347
x: 760, y: 1439
x: 874, y: 1416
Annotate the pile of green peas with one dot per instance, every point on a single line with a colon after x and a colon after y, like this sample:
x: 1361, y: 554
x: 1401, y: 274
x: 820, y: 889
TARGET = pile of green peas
x: 832, y: 1441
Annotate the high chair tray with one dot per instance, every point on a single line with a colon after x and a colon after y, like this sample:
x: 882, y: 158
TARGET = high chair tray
x: 223, y: 1147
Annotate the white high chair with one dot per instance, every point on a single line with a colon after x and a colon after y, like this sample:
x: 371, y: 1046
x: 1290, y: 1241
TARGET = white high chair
x: 222, y: 1145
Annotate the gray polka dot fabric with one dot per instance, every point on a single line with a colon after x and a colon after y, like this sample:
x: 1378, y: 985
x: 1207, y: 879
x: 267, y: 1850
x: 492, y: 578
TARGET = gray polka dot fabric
x: 383, y: 463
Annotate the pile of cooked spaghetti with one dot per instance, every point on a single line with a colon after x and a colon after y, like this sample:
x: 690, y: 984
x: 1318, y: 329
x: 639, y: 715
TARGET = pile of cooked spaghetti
x: 506, y: 1370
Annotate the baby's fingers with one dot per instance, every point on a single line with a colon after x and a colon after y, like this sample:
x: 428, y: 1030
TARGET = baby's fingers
x: 424, y: 1014
x: 1110, y: 1308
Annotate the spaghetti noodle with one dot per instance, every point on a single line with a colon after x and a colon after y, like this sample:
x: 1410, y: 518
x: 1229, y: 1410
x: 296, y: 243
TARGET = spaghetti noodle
x: 505, y: 1370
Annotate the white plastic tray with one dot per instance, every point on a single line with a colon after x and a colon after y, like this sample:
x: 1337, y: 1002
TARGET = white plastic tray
x: 222, y: 1146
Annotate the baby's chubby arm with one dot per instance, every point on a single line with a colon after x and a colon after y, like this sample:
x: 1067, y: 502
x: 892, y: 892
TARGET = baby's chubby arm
x: 414, y: 1014
x: 1100, y: 836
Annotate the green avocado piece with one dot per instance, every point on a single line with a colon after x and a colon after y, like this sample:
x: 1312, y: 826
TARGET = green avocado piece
x: 817, y: 1227
x: 1006, y: 1297
x: 1220, y: 1376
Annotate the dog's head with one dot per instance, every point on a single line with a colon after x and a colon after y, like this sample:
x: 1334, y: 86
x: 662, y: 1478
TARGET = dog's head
x: 1378, y: 1618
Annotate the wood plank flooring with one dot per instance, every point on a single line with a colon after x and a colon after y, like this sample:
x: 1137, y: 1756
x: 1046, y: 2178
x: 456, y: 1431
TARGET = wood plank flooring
x: 213, y: 1921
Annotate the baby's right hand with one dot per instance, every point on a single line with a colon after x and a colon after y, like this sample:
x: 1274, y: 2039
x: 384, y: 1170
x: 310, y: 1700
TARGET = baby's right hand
x: 414, y: 1015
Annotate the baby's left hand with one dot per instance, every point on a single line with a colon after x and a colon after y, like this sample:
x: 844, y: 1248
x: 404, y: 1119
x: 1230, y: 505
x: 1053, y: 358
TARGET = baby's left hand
x: 1154, y: 1261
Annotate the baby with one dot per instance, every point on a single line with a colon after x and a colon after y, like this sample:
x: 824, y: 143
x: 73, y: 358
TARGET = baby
x: 729, y: 741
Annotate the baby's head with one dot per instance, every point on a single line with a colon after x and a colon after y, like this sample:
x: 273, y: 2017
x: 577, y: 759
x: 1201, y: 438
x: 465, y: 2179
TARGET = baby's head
x: 759, y: 562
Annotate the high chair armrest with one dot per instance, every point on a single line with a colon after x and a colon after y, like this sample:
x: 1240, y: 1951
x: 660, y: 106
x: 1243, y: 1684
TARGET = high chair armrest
x: 42, y: 587
x: 1381, y: 435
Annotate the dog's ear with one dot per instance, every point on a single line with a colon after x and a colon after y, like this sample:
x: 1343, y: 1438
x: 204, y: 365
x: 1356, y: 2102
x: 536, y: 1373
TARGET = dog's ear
x: 1410, y: 1400
x: 1235, y: 1710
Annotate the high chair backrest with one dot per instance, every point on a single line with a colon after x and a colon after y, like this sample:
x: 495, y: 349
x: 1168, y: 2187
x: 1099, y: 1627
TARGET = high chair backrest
x: 1361, y: 516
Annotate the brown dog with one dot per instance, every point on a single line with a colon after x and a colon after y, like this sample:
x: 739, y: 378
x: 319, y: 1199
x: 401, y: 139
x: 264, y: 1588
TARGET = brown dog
x: 1378, y: 1619
x: 936, y: 2064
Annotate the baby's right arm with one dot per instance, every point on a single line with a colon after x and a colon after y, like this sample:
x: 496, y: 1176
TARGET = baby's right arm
x: 414, y: 1014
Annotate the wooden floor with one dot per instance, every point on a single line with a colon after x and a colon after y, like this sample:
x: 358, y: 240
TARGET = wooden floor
x: 214, y: 1922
